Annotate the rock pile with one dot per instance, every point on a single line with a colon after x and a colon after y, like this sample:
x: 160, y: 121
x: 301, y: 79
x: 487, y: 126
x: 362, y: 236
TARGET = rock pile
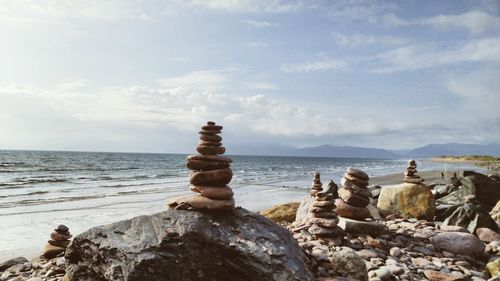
x: 410, y: 174
x: 316, y: 185
x: 354, y: 195
x: 323, y: 219
x: 211, y: 174
x: 59, y: 241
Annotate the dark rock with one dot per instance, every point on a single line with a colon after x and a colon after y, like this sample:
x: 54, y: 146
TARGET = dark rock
x: 229, y: 245
x: 8, y: 263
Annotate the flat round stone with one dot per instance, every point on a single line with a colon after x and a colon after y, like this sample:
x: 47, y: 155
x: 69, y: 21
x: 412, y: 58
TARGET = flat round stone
x: 200, y: 165
x: 209, y: 143
x: 214, y: 158
x: 323, y: 203
x: 212, y: 138
x: 201, y: 203
x: 358, y: 173
x: 326, y: 222
x: 59, y: 237
x: 356, y: 181
x: 209, y: 132
x: 318, y: 230
x: 349, y: 211
x: 212, y: 127
x: 330, y: 214
x: 214, y: 192
x: 218, y: 177
x: 63, y: 244
x: 352, y: 198
x: 210, y: 150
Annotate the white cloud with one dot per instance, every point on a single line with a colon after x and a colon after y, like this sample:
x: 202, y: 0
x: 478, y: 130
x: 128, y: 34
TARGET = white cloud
x: 367, y: 39
x: 317, y: 65
x: 479, y: 90
x: 473, y: 21
x: 259, y: 24
x: 262, y: 86
x: 416, y: 57
x: 198, y: 81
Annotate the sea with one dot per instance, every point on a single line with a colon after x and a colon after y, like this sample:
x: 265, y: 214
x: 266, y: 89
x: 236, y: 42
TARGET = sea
x: 42, y: 189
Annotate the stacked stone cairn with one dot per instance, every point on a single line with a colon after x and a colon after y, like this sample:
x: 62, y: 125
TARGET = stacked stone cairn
x: 211, y: 174
x: 316, y: 185
x: 322, y: 219
x: 59, y: 241
x: 410, y: 174
x: 354, y: 195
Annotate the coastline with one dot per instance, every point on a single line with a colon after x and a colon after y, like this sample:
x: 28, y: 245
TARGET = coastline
x: 254, y: 197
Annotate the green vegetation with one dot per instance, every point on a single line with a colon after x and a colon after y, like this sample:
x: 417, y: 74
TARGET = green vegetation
x: 486, y: 158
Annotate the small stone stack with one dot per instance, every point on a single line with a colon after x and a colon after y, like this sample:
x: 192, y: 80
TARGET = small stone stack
x: 354, y: 195
x: 211, y: 174
x: 410, y: 174
x: 316, y: 185
x: 59, y: 241
x: 323, y: 219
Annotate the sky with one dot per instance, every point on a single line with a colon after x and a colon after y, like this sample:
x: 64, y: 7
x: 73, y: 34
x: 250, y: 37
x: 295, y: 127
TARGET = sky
x: 144, y: 76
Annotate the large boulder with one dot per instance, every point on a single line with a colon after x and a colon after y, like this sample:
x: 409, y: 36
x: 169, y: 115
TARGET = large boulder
x: 303, y: 211
x: 459, y: 243
x: 282, y: 213
x: 407, y: 200
x: 187, y: 245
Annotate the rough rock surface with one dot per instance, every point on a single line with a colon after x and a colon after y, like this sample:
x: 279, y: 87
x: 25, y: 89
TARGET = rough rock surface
x: 283, y: 212
x: 459, y: 243
x: 407, y: 200
x: 187, y: 245
x: 302, y: 214
x: 347, y: 263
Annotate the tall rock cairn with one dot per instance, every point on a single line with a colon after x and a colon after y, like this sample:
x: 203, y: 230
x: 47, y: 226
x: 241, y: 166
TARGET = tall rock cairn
x: 410, y: 174
x: 354, y: 195
x: 316, y: 185
x: 210, y: 176
x: 323, y: 219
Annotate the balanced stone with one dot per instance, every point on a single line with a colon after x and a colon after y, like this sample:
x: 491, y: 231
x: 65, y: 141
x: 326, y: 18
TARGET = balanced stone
x: 354, y: 195
x: 214, y: 192
x: 322, y: 219
x: 211, y: 174
x: 316, y: 185
x: 60, y: 239
x: 410, y: 173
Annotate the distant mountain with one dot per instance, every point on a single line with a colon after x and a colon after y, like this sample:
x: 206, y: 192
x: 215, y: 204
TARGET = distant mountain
x: 454, y: 149
x: 345, y: 151
x: 431, y: 150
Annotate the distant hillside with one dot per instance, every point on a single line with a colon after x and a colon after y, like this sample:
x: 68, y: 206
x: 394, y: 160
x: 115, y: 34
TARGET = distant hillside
x: 345, y: 151
x: 455, y: 149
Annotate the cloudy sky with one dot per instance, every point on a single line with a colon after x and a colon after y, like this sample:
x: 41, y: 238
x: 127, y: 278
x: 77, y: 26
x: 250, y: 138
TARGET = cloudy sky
x: 123, y: 75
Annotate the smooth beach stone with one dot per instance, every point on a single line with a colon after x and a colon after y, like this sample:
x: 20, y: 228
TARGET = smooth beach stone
x: 318, y: 230
x: 215, y: 158
x: 214, y: 192
x: 62, y: 228
x: 206, y: 165
x: 349, y: 211
x: 209, y: 132
x: 212, y: 178
x: 357, y: 173
x: 324, y: 197
x: 59, y: 237
x: 325, y: 215
x: 356, y: 181
x: 413, y: 180
x: 352, y: 198
x: 50, y: 251
x: 201, y: 203
x: 212, y: 127
x: 211, y: 138
x: 209, y: 143
x: 326, y: 222
x: 324, y: 204
x: 210, y: 150
x: 360, y: 191
x: 62, y: 244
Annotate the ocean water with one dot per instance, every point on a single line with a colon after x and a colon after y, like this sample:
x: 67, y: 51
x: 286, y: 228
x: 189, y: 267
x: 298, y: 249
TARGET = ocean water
x: 41, y: 189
